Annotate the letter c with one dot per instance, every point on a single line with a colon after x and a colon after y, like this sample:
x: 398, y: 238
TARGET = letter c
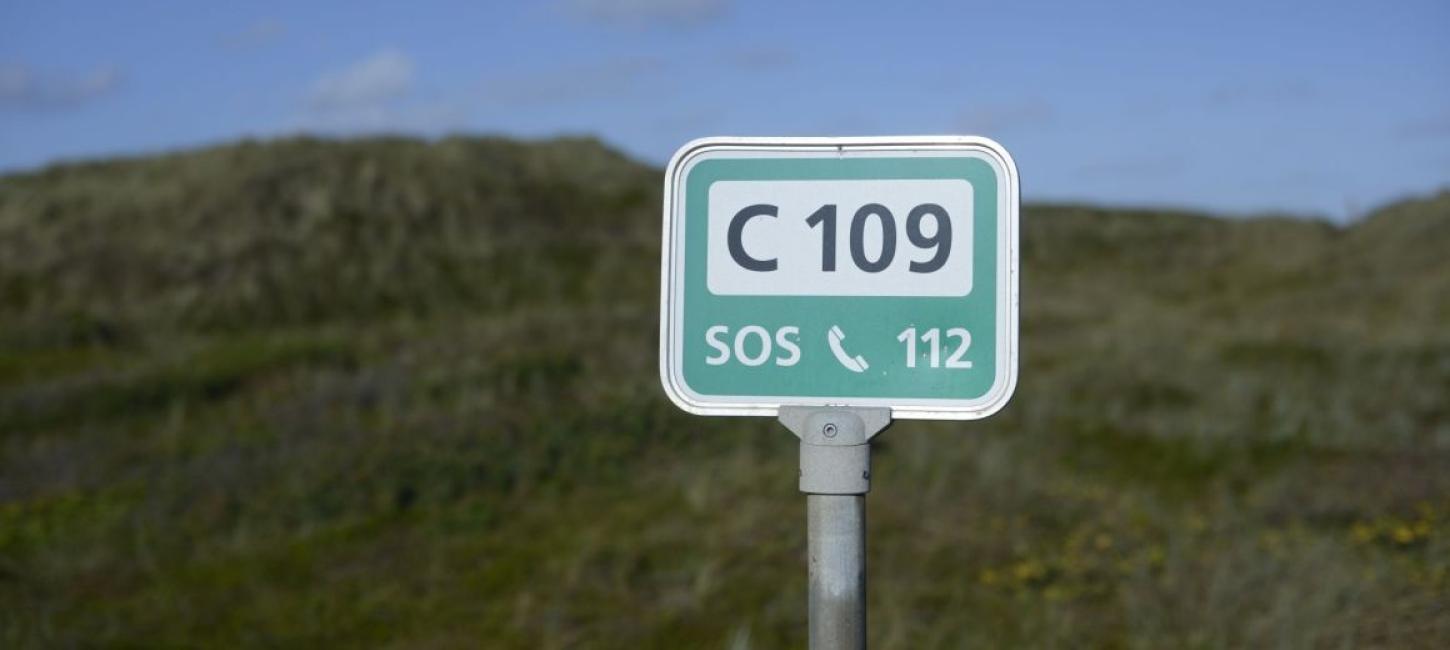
x: 737, y: 228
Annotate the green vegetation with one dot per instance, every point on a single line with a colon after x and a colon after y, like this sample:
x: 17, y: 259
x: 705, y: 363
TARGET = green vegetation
x: 395, y: 393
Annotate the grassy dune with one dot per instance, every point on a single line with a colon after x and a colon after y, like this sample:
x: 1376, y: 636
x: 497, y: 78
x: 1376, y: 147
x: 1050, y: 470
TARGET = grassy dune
x: 395, y: 393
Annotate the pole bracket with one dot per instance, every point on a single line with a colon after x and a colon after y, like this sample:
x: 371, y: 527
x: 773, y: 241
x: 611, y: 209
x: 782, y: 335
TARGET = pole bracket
x: 835, y: 446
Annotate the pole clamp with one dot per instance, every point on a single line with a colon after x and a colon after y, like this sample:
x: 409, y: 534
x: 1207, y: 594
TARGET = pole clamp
x: 835, y: 446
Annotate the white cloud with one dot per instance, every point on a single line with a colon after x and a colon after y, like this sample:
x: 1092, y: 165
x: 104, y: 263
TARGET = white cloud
x: 376, y: 94
x: 678, y: 12
x: 371, y: 82
x: 24, y: 88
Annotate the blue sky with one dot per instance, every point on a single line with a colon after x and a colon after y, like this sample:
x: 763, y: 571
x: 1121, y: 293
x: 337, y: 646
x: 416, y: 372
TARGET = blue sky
x: 1326, y: 108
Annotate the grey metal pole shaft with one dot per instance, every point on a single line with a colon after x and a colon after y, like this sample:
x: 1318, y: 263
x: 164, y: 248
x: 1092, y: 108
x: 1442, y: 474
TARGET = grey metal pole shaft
x: 836, y: 542
x: 835, y: 476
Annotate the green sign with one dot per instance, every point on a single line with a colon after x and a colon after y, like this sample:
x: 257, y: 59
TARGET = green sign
x: 840, y: 271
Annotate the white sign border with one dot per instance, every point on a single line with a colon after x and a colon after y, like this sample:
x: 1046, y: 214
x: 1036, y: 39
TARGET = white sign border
x: 671, y: 293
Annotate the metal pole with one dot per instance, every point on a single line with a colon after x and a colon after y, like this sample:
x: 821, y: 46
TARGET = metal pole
x: 836, y: 539
x: 835, y: 476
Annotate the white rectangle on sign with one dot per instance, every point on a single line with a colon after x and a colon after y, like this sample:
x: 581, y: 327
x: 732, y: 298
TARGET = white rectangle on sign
x: 829, y: 238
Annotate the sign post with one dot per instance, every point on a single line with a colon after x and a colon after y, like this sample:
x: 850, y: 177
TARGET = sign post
x: 835, y: 477
x: 838, y: 284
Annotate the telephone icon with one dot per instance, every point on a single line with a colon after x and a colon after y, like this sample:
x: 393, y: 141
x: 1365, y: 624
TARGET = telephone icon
x: 856, y: 363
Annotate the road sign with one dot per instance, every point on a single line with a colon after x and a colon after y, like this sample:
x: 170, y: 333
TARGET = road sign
x: 867, y: 272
